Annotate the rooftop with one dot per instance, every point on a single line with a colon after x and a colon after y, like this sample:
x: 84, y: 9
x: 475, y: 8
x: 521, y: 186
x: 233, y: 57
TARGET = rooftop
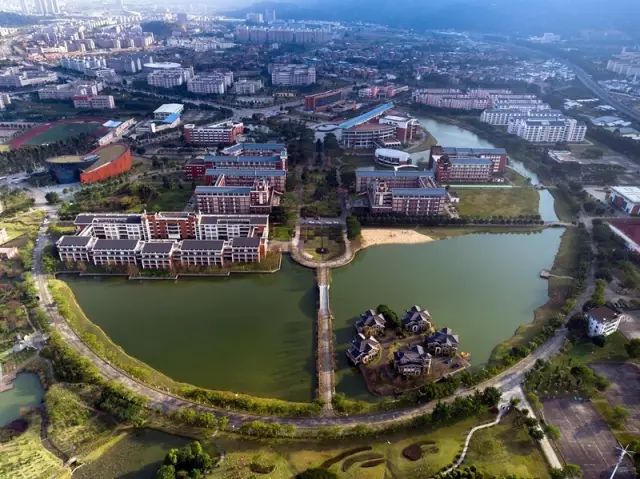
x: 244, y: 172
x: 632, y: 193
x: 201, y: 245
x: 240, y: 190
x: 455, y: 150
x: 74, y: 240
x: 242, y: 159
x: 116, y: 244
x: 603, y: 314
x: 366, y: 173
x: 158, y: 247
x: 169, y: 108
x: 365, y: 117
x: 418, y: 191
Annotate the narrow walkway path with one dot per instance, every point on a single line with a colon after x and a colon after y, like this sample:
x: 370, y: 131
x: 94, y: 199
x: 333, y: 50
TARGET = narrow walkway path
x: 503, y: 408
x: 547, y: 449
x: 325, y: 344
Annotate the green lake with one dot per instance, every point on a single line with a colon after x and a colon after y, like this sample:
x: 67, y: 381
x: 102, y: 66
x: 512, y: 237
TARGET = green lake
x: 26, y: 392
x: 483, y: 286
x: 254, y: 333
x: 249, y: 333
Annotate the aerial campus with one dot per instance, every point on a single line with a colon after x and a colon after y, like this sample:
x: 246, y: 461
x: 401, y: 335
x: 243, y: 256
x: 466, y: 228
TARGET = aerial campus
x: 323, y: 242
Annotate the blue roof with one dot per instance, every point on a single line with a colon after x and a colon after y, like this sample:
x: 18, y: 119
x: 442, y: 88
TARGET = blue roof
x: 223, y: 189
x: 241, y: 159
x: 454, y: 150
x: 393, y: 173
x: 171, y: 118
x: 244, y: 172
x: 365, y: 117
x: 471, y: 161
x: 418, y: 191
x: 255, y: 146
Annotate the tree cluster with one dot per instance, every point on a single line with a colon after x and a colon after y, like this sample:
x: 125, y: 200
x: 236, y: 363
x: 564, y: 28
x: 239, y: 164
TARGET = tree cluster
x: 190, y: 461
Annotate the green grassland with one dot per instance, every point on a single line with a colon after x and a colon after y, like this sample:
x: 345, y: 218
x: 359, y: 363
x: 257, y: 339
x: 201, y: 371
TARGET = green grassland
x: 24, y: 456
x: 492, y: 202
x: 506, y: 450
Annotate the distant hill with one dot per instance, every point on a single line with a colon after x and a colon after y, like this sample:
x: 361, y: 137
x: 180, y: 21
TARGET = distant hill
x: 500, y: 16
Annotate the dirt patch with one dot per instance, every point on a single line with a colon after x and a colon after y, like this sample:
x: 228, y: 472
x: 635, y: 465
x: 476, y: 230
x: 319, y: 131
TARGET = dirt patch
x: 585, y: 438
x: 415, y: 451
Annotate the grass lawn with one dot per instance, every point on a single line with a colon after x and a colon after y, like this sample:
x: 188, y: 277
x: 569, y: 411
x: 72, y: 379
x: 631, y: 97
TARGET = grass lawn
x: 25, y: 457
x: 506, y: 450
x: 328, y: 238
x: 587, y: 352
x: 25, y: 223
x: 174, y: 199
x: 293, y: 457
x: 281, y: 233
x: 488, y: 202
x: 62, y: 132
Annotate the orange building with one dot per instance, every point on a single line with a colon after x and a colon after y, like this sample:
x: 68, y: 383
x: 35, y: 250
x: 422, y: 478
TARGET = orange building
x: 112, y: 160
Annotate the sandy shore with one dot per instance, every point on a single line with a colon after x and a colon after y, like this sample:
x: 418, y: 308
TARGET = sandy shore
x: 378, y: 236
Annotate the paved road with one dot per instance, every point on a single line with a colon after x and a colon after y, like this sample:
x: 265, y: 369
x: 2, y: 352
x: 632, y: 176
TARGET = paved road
x: 545, y: 444
x: 325, y: 366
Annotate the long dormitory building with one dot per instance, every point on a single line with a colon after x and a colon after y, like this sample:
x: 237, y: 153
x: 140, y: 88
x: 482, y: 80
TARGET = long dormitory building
x: 166, y: 240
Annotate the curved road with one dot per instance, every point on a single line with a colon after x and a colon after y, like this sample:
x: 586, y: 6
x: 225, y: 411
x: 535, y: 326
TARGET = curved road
x: 165, y: 401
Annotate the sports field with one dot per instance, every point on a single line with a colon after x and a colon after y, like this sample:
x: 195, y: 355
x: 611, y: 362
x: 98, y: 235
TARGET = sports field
x: 63, y: 131
x: 52, y: 132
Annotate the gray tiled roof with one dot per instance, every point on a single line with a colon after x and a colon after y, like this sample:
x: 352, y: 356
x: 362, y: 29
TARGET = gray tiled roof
x: 246, y: 242
x: 116, y: 244
x: 158, y: 247
x: 74, y: 240
x: 198, y: 245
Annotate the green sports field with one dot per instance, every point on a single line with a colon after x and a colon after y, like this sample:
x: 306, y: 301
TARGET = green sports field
x: 63, y: 131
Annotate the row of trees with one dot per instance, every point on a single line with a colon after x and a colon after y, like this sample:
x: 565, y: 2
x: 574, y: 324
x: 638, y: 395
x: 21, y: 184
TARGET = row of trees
x: 369, y: 219
x: 30, y: 157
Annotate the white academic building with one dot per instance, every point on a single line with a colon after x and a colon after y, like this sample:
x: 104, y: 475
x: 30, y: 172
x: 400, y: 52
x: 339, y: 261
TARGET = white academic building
x: 603, y: 321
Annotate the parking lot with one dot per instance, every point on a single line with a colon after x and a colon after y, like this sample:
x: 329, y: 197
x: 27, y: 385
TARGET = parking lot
x: 624, y: 389
x: 585, y: 438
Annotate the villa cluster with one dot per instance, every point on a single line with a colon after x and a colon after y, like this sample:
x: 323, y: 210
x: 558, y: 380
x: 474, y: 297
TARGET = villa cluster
x: 412, y: 192
x: 414, y: 360
x: 165, y: 240
x: 246, y: 178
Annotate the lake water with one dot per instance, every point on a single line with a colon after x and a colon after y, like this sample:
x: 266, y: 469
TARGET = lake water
x: 249, y: 333
x: 483, y: 286
x: 26, y: 392
x: 254, y: 333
